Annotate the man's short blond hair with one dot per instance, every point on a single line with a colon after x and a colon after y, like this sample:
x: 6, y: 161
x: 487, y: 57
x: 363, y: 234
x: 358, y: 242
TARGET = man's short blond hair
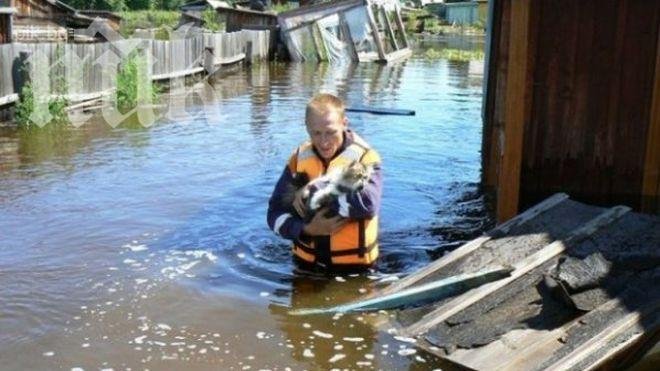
x: 321, y: 104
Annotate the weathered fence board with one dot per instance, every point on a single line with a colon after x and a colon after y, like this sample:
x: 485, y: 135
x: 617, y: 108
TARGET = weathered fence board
x: 83, y: 65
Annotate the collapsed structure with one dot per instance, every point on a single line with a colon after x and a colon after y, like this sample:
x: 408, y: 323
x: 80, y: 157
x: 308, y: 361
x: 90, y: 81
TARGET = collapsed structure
x: 345, y: 31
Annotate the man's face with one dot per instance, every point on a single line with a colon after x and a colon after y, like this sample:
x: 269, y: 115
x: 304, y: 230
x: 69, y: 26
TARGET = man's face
x: 326, y: 132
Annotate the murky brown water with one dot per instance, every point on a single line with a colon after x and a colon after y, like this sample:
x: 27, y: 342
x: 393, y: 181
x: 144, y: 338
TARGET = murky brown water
x: 148, y: 249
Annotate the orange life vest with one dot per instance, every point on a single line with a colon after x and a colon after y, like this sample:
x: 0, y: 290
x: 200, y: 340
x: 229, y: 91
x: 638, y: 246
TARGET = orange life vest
x: 356, y: 242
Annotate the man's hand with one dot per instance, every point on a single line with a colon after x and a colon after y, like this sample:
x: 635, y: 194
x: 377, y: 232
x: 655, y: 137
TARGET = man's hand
x: 299, y: 203
x: 323, y: 226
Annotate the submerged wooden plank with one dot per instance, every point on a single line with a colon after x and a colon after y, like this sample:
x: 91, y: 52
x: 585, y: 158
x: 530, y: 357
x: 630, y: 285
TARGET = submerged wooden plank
x: 397, y: 55
x: 438, y: 264
x: 521, y: 268
x: 432, y: 290
x: 381, y: 111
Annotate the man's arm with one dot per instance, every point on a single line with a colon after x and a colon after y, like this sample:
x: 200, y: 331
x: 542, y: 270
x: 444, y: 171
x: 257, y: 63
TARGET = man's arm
x: 279, y: 217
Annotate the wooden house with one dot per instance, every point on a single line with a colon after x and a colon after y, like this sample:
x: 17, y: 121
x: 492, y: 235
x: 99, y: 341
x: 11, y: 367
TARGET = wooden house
x: 245, y: 19
x: 112, y: 19
x: 46, y: 21
x: 6, y: 15
x: 191, y: 12
x: 573, y: 103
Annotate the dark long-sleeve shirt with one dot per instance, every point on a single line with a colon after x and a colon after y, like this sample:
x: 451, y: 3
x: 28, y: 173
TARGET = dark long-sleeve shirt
x: 356, y: 205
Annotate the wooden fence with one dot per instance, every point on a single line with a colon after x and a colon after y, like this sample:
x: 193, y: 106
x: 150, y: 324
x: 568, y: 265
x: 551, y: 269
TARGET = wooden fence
x: 82, y: 64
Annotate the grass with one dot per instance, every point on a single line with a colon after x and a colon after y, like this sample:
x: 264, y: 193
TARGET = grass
x: 454, y: 54
x: 145, y: 19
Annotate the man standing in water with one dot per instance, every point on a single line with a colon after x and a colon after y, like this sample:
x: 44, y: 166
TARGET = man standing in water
x: 346, y: 242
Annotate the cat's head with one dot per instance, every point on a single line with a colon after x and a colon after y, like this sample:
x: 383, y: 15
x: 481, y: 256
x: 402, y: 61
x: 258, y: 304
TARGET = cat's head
x: 356, y: 176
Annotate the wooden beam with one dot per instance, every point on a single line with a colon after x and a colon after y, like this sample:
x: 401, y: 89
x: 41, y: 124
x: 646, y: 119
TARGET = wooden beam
x: 11, y: 98
x: 508, y: 189
x: 475, y: 244
x: 534, y: 350
x: 436, y: 265
x: 376, y: 34
x: 651, y: 180
x: 522, y: 267
x: 388, y: 25
x: 343, y: 25
x: 397, y: 55
x: 493, y: 60
x: 399, y: 24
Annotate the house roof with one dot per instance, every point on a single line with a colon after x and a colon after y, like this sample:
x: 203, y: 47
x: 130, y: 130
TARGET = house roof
x: 101, y: 13
x: 7, y: 10
x: 215, y: 4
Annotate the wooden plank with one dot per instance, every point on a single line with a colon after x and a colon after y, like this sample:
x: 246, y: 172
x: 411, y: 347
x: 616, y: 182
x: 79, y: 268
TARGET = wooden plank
x: 521, y: 268
x: 539, y: 345
x: 343, y: 25
x: 230, y: 60
x: 388, y: 26
x: 473, y: 245
x: 464, y: 301
x: 397, y: 55
x: 492, y: 71
x: 381, y: 111
x: 604, y: 337
x: 651, y: 178
x: 376, y: 34
x: 508, y: 190
x: 175, y: 74
x: 435, y: 290
x: 442, y: 262
x: 400, y: 26
x: 8, y: 99
x: 531, y: 213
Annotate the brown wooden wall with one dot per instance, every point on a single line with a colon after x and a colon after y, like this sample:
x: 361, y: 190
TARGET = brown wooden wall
x: 38, y: 11
x: 5, y: 36
x: 246, y: 19
x: 583, y: 80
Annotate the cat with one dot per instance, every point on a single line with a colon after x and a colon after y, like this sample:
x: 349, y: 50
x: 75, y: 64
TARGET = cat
x: 323, y: 190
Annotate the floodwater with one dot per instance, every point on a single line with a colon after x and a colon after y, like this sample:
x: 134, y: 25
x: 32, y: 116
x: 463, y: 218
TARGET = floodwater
x: 147, y: 248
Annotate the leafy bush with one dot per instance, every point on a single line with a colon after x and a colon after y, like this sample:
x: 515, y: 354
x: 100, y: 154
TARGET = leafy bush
x: 29, y: 114
x: 411, y: 23
x: 211, y: 20
x: 128, y: 83
x: 280, y: 8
